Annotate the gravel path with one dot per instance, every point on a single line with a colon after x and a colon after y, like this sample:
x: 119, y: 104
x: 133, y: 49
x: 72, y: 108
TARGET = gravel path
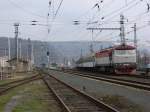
x: 137, y: 96
x: 12, y: 103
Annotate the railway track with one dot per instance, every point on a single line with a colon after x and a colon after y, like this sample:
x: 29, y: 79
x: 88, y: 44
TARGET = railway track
x: 73, y: 100
x: 8, y: 86
x: 130, y: 83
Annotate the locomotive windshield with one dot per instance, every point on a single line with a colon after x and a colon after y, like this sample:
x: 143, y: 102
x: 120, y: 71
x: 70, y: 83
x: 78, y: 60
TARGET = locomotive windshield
x: 125, y: 52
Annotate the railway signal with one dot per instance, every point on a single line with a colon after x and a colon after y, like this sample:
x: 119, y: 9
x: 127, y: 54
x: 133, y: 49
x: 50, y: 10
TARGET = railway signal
x: 48, y: 58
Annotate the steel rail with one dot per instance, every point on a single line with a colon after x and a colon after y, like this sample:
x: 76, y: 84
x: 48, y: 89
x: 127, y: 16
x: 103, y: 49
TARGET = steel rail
x: 94, y: 101
x: 109, y: 77
x: 16, y: 81
x: 17, y: 84
x: 64, y: 106
x: 129, y: 83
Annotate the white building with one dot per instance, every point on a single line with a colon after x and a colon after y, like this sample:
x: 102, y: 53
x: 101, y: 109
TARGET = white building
x: 4, y: 67
x: 3, y: 61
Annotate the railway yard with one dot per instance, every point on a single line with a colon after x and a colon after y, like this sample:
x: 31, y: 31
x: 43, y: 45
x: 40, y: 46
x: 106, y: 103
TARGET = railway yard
x: 50, y: 90
x: 104, y: 88
x: 74, y: 56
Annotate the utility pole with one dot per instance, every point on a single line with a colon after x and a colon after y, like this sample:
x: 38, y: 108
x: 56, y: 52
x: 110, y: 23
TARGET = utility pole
x: 32, y: 55
x: 48, y: 18
x: 5, y: 52
x: 20, y: 49
x: 81, y: 55
x: 29, y: 50
x: 16, y: 40
x: 135, y: 41
x: 9, y: 48
x: 101, y: 47
x: 92, y: 44
x: 135, y: 35
x: 48, y: 29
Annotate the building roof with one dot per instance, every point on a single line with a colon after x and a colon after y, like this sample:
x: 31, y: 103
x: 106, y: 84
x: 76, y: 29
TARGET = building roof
x: 20, y: 60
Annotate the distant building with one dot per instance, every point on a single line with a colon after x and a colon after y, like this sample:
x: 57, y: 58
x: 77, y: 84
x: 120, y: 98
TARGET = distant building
x: 5, y: 68
x: 19, y: 65
x: 3, y: 61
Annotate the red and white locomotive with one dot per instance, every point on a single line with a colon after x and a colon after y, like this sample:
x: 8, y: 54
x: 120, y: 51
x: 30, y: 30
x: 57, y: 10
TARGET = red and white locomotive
x: 119, y: 59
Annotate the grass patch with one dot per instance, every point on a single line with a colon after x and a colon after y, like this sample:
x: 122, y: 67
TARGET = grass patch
x: 121, y: 103
x: 6, y: 81
x: 35, y: 99
x: 4, y: 99
x: 32, y: 95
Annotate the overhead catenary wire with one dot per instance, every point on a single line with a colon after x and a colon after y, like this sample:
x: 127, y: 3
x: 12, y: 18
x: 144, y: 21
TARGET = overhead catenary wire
x: 58, y: 9
x: 119, y: 13
x: 130, y: 5
x: 94, y: 15
x: 131, y: 22
x: 109, y: 21
x: 91, y: 9
x: 138, y: 28
x: 119, y: 9
x: 55, y: 15
x: 25, y: 10
x: 113, y: 12
x: 105, y: 22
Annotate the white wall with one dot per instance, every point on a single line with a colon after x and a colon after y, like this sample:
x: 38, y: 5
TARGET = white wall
x: 3, y: 61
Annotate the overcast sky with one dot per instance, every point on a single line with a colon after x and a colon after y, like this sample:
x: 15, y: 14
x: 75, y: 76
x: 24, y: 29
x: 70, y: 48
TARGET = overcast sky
x: 62, y: 29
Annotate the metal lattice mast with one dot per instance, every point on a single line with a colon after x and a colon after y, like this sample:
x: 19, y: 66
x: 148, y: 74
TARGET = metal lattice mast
x: 122, y: 29
x: 16, y: 39
x: 135, y: 41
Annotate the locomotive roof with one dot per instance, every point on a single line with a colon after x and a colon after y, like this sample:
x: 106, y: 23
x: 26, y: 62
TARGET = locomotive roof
x: 85, y: 59
x: 124, y: 47
x: 119, y: 47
